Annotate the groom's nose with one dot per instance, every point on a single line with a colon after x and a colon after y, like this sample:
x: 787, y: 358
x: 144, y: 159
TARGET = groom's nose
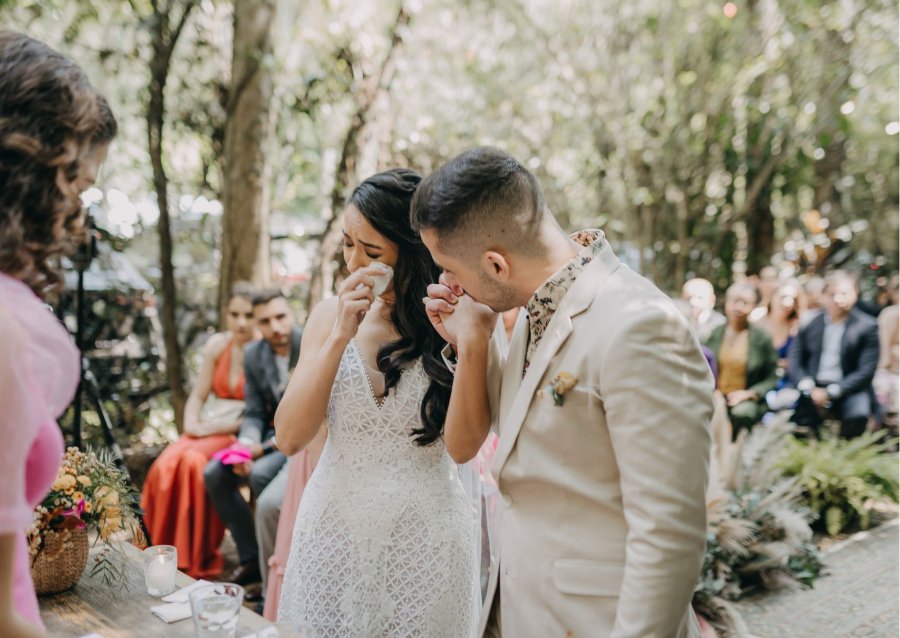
x: 451, y: 283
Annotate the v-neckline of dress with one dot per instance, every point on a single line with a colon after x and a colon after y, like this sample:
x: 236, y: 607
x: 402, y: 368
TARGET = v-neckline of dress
x: 365, y: 366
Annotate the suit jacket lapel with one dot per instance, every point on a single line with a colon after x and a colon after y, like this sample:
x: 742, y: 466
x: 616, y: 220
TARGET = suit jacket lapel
x: 270, y: 369
x: 515, y: 361
x: 576, y: 301
x: 848, y: 336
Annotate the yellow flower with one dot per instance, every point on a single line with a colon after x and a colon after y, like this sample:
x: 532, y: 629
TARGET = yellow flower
x: 77, y: 497
x: 108, y: 501
x: 109, y: 526
x: 70, y: 470
x: 88, y: 507
x: 84, y: 480
x: 69, y: 491
x: 58, y: 485
x: 564, y: 382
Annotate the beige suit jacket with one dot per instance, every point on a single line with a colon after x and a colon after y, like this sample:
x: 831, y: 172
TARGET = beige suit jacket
x: 602, y: 521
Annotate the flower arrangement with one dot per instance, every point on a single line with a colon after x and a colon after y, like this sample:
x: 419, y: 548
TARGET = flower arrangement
x: 89, y: 493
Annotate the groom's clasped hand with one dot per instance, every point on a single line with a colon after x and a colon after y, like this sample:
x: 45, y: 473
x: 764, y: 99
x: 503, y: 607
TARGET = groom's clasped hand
x: 456, y: 315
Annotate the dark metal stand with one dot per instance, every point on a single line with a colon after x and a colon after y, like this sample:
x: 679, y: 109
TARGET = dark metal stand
x: 82, y: 261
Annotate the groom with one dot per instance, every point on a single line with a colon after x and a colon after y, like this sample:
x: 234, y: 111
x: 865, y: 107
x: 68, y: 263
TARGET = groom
x: 603, y: 407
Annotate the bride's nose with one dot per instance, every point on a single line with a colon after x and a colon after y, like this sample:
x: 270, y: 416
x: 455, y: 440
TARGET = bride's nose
x: 358, y: 259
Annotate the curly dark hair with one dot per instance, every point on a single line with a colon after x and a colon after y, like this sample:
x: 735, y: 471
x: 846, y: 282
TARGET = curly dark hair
x: 50, y: 117
x: 384, y: 200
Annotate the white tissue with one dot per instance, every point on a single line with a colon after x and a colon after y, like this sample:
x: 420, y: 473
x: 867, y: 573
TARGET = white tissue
x: 381, y: 281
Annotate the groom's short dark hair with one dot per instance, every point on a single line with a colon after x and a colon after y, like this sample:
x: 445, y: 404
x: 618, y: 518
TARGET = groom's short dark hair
x: 479, y: 200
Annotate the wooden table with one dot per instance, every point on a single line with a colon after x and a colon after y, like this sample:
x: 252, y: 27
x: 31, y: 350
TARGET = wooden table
x: 91, y: 607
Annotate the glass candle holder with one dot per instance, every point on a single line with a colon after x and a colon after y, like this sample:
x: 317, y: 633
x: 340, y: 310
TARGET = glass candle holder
x: 215, y: 610
x: 160, y: 567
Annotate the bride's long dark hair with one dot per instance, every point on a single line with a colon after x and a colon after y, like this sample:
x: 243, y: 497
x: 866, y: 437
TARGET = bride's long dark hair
x: 384, y: 200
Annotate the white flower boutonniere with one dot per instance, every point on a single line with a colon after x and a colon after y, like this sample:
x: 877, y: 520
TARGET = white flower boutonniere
x: 561, y: 385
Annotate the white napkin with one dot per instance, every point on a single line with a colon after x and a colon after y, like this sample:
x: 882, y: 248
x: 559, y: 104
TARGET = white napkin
x: 172, y: 612
x: 182, y: 595
x: 381, y: 281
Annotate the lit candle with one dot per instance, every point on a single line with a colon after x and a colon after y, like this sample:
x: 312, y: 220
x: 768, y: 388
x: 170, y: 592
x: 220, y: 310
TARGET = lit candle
x: 160, y: 566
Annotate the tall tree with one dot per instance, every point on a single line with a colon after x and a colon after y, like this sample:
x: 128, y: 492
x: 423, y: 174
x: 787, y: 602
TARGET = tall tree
x: 370, y: 87
x: 164, y: 37
x: 245, y: 221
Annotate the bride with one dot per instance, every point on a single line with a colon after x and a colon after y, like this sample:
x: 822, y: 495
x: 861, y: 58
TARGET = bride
x: 383, y: 543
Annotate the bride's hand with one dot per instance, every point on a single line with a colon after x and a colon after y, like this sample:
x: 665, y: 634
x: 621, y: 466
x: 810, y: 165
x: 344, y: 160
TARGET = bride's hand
x: 355, y: 299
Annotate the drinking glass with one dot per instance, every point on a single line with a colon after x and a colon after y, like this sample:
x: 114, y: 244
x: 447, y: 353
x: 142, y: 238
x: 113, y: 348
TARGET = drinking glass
x: 160, y: 567
x: 215, y: 610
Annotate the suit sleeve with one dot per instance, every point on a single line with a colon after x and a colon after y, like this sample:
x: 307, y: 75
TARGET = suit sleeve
x: 796, y: 369
x: 861, y: 378
x: 255, y: 411
x: 657, y: 392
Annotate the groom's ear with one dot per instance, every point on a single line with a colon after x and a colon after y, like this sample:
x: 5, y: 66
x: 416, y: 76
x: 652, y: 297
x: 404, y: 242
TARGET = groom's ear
x: 496, y: 265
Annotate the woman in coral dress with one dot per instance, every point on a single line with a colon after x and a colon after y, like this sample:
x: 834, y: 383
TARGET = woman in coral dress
x: 54, y: 133
x: 178, y: 512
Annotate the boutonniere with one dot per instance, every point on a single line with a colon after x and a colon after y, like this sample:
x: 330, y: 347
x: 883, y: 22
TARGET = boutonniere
x: 561, y: 385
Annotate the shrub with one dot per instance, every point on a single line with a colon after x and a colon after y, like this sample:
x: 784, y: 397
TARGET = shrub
x: 842, y: 480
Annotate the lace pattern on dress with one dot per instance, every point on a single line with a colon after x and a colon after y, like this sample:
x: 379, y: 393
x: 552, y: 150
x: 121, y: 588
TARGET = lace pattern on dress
x: 382, y: 545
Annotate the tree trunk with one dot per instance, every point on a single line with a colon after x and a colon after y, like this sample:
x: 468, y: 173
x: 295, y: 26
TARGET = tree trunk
x: 761, y: 235
x: 245, y: 221
x: 164, y: 41
x: 322, y: 271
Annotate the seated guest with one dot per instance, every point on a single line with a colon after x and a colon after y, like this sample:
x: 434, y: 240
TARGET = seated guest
x: 889, y: 363
x: 701, y: 295
x: 837, y: 352
x: 781, y: 322
x: 814, y: 289
x: 177, y: 510
x: 267, y: 365
x: 55, y: 130
x: 765, y: 284
x: 747, y: 361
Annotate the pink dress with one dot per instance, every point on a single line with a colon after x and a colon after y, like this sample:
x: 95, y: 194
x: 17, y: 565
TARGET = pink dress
x: 298, y: 476
x: 38, y: 377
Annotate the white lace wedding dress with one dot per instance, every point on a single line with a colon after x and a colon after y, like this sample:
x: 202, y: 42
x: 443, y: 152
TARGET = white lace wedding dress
x: 383, y: 544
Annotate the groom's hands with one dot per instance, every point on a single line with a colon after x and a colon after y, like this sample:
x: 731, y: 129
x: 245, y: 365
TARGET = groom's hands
x: 456, y: 316
x: 440, y: 301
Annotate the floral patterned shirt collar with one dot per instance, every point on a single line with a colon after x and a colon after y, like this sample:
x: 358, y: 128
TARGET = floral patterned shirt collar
x: 546, y: 299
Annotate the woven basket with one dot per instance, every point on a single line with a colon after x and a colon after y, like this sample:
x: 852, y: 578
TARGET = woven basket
x: 60, y: 561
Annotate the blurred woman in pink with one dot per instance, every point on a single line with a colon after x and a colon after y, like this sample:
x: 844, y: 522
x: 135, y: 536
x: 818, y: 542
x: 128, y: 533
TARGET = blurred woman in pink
x: 54, y: 133
x: 301, y: 468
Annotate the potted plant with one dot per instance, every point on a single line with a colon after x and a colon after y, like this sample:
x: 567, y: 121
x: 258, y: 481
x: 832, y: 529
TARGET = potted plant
x: 90, y: 498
